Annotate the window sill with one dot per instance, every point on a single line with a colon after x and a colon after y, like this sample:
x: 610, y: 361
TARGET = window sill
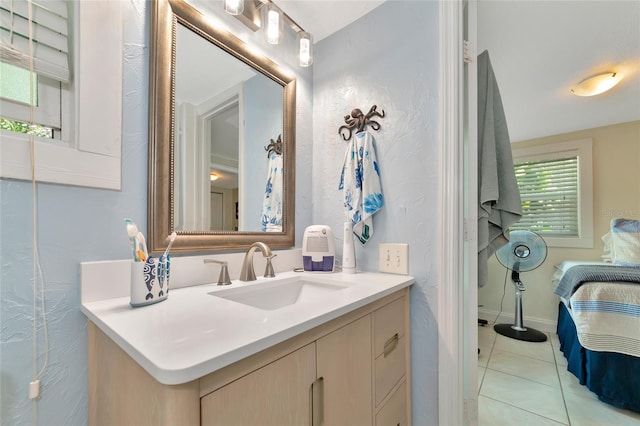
x: 56, y: 163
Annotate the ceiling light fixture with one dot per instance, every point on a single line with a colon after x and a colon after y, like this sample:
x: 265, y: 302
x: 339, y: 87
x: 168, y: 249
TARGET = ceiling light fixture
x: 597, y: 84
x: 213, y: 176
x: 234, y: 7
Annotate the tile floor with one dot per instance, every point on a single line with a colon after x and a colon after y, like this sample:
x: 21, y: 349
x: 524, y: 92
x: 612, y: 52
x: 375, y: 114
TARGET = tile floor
x: 523, y: 383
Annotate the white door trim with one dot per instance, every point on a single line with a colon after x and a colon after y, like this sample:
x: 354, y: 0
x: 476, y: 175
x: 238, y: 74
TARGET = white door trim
x: 451, y: 320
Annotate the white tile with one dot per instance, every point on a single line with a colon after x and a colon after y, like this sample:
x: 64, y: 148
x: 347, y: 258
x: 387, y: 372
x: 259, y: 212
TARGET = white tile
x: 538, y: 350
x: 486, y: 334
x: 496, y: 413
x: 481, y: 371
x: 570, y: 383
x: 486, y: 339
x: 525, y: 394
x: 560, y: 359
x: 555, y: 344
x: 533, y: 399
x: 587, y: 410
x: 528, y: 368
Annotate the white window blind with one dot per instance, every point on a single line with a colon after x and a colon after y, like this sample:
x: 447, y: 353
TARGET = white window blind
x: 549, y: 194
x: 50, y: 34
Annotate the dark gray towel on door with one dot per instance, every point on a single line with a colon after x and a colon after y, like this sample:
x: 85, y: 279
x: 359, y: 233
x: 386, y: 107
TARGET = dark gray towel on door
x: 499, y: 204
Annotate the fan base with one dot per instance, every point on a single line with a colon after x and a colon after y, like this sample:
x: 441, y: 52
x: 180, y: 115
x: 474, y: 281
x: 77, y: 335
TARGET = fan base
x: 530, y: 335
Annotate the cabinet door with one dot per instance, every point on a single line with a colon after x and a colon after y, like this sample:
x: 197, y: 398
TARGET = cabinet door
x: 344, y: 365
x: 277, y: 394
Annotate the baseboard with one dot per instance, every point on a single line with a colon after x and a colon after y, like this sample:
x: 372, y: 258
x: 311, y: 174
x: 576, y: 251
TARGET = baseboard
x: 540, y: 324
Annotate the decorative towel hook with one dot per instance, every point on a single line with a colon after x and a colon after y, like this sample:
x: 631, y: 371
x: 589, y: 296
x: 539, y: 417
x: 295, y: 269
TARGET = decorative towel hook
x: 357, y: 120
x: 274, y: 147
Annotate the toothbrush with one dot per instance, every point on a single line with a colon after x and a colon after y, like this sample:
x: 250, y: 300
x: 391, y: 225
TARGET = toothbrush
x: 141, y: 256
x: 171, y: 240
x: 142, y: 245
x: 132, y: 231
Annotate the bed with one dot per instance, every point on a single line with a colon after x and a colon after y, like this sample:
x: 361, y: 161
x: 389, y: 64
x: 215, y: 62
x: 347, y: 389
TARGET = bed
x: 599, y: 317
x: 599, y: 328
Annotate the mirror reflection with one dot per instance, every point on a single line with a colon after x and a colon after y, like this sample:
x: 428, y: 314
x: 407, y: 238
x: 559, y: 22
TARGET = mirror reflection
x: 226, y: 113
x: 215, y: 103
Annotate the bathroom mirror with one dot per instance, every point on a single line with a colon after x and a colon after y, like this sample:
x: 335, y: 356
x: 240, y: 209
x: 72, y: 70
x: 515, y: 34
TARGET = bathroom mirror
x: 214, y: 107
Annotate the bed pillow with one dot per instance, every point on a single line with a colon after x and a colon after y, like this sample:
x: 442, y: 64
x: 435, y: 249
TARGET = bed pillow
x: 625, y: 241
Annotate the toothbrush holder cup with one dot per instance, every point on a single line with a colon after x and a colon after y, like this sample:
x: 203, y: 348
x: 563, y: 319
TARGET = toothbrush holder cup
x: 150, y: 280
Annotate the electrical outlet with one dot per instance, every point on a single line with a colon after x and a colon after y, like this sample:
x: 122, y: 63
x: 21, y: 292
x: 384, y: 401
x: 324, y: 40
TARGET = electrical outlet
x: 394, y: 258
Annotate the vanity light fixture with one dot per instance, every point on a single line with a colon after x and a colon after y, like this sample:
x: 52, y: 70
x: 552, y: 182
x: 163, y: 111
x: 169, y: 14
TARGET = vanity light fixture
x: 306, y: 48
x: 256, y: 14
x: 234, y: 7
x: 597, y: 84
x: 273, y: 20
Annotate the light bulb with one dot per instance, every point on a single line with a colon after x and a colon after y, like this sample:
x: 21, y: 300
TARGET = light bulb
x: 306, y: 49
x: 273, y: 21
x: 234, y: 7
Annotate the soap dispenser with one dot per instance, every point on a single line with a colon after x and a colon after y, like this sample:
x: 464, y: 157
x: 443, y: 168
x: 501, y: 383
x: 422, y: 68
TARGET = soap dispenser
x: 348, y: 250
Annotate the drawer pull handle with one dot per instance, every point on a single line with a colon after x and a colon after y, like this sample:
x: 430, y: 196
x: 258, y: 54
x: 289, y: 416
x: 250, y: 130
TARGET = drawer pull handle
x: 391, y: 344
x: 317, y: 402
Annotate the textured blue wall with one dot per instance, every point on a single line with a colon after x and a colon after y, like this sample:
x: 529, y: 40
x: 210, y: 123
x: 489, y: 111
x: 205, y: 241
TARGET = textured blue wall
x: 83, y: 224
x: 389, y: 58
x: 74, y: 225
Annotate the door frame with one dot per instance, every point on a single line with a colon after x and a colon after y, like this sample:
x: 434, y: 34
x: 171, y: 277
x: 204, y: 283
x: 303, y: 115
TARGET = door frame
x: 457, y: 282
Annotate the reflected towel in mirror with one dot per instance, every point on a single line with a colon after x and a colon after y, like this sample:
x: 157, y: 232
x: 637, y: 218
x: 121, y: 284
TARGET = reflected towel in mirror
x: 272, y: 206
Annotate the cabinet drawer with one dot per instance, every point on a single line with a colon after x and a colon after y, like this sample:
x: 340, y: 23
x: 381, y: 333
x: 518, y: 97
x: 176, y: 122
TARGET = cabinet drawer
x: 394, y: 412
x: 387, y: 322
x: 389, y: 370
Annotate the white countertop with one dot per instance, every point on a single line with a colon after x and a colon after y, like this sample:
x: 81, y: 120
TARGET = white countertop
x: 192, y: 333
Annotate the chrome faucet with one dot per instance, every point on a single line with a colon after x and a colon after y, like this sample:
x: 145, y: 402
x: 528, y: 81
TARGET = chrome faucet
x: 223, y: 278
x: 248, y: 273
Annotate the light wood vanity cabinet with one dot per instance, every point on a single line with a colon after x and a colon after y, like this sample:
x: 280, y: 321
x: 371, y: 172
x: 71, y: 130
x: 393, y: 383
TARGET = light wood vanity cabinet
x: 276, y: 394
x: 344, y: 371
x: 353, y: 370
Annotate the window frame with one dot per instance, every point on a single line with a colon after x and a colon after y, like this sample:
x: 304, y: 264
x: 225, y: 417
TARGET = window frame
x: 90, y: 151
x: 582, y: 149
x: 47, y: 113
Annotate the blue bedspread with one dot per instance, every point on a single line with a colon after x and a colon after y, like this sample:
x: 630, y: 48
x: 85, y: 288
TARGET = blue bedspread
x: 614, y: 377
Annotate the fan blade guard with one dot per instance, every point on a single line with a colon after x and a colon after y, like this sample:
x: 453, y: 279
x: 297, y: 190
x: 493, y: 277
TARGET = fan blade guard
x: 525, y: 251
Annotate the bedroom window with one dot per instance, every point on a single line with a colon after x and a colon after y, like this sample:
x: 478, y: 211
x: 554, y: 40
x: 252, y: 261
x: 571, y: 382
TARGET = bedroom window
x: 556, y: 191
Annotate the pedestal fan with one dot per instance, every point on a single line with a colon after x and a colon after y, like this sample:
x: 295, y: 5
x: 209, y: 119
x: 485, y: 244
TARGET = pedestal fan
x: 525, y: 251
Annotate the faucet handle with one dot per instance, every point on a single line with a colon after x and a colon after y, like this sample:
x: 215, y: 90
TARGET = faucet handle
x: 268, y: 271
x: 223, y: 278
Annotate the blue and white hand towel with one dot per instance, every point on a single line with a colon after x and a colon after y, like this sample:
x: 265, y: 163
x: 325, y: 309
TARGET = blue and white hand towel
x: 272, y: 206
x: 360, y: 184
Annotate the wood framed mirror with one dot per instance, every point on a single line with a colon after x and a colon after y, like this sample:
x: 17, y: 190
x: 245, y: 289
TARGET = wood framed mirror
x: 182, y: 155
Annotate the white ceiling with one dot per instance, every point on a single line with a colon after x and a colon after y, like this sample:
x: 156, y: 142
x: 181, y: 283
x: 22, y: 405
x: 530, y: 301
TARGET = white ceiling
x: 322, y: 18
x: 538, y: 50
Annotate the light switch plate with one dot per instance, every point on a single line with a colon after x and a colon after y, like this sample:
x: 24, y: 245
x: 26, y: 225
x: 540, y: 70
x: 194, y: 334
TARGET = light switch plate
x: 394, y: 258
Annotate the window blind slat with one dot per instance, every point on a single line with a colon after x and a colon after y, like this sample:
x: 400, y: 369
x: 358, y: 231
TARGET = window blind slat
x: 42, y: 35
x: 50, y: 36
x: 41, y: 15
x: 549, y: 193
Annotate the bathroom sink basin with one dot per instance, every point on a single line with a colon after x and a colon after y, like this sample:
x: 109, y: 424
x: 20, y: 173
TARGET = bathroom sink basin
x: 276, y: 294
